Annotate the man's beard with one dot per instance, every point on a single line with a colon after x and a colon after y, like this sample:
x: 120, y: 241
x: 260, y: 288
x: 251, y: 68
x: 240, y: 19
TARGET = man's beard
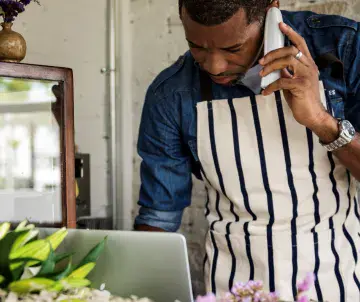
x: 239, y: 75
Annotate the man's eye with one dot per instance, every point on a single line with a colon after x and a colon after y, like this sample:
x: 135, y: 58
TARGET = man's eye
x: 234, y: 50
x: 194, y: 46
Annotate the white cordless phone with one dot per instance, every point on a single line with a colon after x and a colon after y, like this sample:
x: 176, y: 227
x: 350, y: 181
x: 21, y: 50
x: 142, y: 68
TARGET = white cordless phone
x: 273, y: 39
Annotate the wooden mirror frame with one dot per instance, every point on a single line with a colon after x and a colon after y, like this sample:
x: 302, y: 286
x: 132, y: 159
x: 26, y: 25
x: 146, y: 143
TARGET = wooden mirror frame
x: 63, y: 111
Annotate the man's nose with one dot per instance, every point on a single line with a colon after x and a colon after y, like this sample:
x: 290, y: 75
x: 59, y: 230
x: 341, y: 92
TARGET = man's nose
x: 215, y: 63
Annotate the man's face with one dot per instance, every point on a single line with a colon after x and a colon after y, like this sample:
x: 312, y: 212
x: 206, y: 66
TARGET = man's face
x: 225, y: 51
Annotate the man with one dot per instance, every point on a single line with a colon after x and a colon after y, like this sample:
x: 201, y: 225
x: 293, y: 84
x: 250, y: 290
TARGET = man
x: 279, y: 165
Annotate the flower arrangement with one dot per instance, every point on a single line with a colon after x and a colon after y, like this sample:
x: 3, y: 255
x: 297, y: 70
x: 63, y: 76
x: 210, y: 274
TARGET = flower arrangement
x: 252, y: 291
x: 10, y: 9
x: 31, y: 270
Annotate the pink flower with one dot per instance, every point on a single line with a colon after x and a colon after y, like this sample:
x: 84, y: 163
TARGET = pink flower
x: 208, y: 298
x: 229, y: 297
x: 307, y: 283
x: 257, y: 297
x: 303, y: 299
x: 273, y: 297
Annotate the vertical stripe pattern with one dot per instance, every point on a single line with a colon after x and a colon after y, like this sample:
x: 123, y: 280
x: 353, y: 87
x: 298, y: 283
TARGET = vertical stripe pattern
x: 310, y: 142
x: 216, y: 251
x: 242, y: 186
x: 331, y: 221
x: 292, y: 190
x: 268, y: 194
x: 332, y: 229
x: 348, y: 236
x: 278, y: 204
x: 357, y: 210
x: 221, y: 182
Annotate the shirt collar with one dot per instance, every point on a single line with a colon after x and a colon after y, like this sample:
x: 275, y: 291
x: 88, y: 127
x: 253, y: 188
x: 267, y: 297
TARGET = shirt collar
x: 252, y: 79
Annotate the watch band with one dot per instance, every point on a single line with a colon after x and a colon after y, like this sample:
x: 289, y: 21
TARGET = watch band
x: 337, y: 144
x: 346, y: 135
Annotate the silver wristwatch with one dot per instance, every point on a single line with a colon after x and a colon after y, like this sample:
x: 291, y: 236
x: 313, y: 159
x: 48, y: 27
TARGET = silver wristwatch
x: 347, y: 134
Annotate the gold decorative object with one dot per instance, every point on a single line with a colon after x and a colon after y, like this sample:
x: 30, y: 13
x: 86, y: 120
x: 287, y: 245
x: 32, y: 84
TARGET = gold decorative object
x: 12, y: 44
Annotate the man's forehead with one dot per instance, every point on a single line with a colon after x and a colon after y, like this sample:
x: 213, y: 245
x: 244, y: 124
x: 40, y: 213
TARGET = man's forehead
x: 230, y: 32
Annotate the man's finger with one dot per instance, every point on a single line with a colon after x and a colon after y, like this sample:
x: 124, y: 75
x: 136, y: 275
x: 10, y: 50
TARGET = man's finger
x: 284, y: 52
x: 295, y: 38
x: 286, y: 62
x: 281, y: 84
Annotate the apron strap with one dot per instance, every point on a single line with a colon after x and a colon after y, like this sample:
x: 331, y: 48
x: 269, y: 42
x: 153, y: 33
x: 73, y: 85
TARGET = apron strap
x: 205, y: 86
x: 206, y: 95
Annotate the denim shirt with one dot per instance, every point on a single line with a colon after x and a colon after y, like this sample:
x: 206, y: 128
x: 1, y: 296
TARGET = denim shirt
x: 167, y: 135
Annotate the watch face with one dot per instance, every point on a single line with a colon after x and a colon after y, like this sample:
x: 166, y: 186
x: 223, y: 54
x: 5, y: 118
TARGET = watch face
x: 352, y: 131
x: 348, y: 128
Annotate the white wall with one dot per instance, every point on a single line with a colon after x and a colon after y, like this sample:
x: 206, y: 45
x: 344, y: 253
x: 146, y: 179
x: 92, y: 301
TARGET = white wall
x: 72, y: 33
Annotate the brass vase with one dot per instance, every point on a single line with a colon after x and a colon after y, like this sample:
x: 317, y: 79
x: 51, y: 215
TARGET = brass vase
x: 12, y: 45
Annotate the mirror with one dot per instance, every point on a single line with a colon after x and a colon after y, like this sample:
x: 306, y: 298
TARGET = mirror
x: 30, y: 154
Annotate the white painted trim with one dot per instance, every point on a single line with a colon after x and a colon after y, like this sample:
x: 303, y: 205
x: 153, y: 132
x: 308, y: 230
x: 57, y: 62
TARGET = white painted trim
x: 122, y: 114
x: 111, y: 70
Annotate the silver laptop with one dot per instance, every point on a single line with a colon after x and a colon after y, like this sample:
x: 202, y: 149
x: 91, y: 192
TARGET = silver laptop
x: 145, y: 264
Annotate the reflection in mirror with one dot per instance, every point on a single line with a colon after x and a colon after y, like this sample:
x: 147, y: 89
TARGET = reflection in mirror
x: 30, y: 171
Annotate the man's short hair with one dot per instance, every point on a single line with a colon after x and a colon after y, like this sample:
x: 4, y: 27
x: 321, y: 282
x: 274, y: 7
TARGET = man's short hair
x: 215, y: 12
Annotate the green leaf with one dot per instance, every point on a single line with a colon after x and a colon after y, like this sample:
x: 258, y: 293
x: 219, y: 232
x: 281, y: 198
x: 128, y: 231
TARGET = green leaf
x: 2, y: 279
x: 64, y: 273
x: 38, y: 249
x: 48, y: 265
x: 57, y: 237
x: 83, y: 271
x: 18, y: 260
x: 94, y: 254
x: 30, y: 285
x: 4, y: 228
x: 57, y: 287
x: 29, y: 272
x: 21, y: 226
x: 5, y: 248
x: 70, y: 283
x: 25, y: 238
x: 19, y: 270
x: 61, y: 257
x: 30, y: 227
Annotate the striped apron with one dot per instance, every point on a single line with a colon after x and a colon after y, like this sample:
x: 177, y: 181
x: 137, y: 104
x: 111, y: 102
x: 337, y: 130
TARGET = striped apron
x: 279, y: 205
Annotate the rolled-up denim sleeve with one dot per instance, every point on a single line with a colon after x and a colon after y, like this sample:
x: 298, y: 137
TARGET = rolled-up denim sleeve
x: 167, y: 220
x: 165, y: 169
x: 352, y: 102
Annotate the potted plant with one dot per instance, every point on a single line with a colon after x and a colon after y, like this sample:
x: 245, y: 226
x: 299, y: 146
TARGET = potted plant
x: 12, y: 44
x: 32, y: 270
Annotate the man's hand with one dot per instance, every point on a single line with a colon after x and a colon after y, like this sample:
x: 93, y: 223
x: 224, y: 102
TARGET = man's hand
x: 301, y: 84
x: 302, y: 92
